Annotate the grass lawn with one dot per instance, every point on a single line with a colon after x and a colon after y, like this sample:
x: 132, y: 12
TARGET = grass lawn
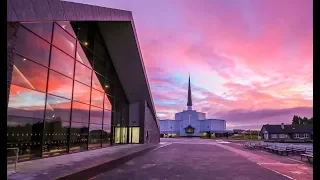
x: 246, y: 137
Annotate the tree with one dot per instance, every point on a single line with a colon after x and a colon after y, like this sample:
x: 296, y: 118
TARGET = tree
x: 295, y: 120
x: 299, y: 120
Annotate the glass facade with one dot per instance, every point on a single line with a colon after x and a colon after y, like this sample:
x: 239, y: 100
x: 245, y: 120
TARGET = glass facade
x: 65, y: 96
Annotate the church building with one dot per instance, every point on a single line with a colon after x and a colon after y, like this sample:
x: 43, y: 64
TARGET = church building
x: 191, y: 123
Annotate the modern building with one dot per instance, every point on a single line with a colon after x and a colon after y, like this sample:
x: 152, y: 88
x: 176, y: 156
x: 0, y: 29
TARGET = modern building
x: 76, y: 79
x: 287, y: 132
x: 191, y: 123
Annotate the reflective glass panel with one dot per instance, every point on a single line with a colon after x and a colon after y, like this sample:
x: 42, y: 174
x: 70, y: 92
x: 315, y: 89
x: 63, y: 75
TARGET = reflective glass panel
x: 67, y: 26
x: 43, y: 29
x: 107, y: 117
x: 59, y: 85
x: 116, y: 119
x: 78, y: 137
x: 99, y: 66
x: 58, y: 109
x: 83, y: 74
x: 81, y: 92
x: 55, y: 138
x: 61, y: 62
x: 25, y: 134
x: 108, y: 88
x: 25, y: 102
x: 96, y: 98
x: 106, y: 135
x: 99, y: 50
x: 29, y: 74
x: 85, y: 33
x: 95, y: 136
x: 32, y: 47
x: 107, y: 104
x: 98, y: 82
x: 80, y: 112
x: 84, y: 56
x: 96, y: 115
x: 63, y: 40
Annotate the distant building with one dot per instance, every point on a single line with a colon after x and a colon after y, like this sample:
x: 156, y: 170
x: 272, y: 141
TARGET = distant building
x: 287, y: 132
x: 192, y: 123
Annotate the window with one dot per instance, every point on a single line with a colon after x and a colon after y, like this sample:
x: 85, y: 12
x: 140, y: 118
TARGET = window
x: 81, y: 92
x: 95, y: 136
x: 273, y: 136
x: 80, y: 112
x: 106, y: 135
x: 296, y: 135
x: 99, y: 66
x: 25, y: 102
x: 96, y: 115
x: 78, y: 137
x: 108, y: 88
x: 58, y: 109
x: 84, y: 56
x: 116, y: 119
x: 98, y: 82
x: 85, y: 33
x: 59, y: 85
x: 306, y: 135
x: 61, y: 62
x: 55, y: 137
x: 32, y: 47
x: 67, y: 26
x: 96, y: 98
x: 43, y: 29
x: 107, y: 104
x: 63, y: 40
x: 29, y: 74
x: 282, y: 135
x: 107, y: 117
x: 99, y: 49
x: 25, y: 134
x: 83, y: 74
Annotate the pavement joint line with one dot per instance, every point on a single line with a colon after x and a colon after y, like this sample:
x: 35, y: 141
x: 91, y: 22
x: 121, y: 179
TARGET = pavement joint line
x: 162, y: 146
x: 277, y: 172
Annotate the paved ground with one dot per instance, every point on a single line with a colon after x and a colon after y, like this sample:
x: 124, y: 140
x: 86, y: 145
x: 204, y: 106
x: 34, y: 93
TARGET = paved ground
x: 194, y: 158
x: 64, y: 165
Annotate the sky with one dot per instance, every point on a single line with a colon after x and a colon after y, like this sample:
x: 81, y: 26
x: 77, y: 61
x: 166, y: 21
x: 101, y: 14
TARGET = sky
x: 250, y: 61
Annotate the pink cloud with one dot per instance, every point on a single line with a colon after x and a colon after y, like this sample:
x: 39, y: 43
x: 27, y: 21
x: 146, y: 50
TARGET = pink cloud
x: 249, y: 56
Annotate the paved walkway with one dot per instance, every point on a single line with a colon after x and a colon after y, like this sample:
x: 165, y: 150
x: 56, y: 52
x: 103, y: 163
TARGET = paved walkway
x: 208, y: 159
x: 60, y: 166
x: 181, y: 158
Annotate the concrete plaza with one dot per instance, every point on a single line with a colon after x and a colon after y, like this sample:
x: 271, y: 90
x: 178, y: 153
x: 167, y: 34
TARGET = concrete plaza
x: 173, y: 158
x: 194, y: 158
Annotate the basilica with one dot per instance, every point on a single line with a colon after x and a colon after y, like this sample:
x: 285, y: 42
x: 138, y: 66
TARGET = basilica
x: 191, y: 123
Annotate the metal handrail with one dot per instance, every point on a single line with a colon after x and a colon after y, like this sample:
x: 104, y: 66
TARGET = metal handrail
x: 17, y: 157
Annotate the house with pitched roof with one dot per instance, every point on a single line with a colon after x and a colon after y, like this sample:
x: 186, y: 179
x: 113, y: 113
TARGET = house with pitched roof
x: 288, y: 132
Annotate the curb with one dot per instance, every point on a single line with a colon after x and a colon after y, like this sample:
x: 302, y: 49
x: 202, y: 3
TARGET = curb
x: 108, y: 166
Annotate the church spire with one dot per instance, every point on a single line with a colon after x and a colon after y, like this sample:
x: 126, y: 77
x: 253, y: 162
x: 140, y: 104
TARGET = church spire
x: 189, y: 104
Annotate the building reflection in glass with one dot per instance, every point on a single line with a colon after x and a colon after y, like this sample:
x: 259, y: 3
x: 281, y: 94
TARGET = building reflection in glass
x: 64, y: 103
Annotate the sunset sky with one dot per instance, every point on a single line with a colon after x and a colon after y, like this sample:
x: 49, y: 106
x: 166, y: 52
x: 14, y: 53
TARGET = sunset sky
x: 250, y: 61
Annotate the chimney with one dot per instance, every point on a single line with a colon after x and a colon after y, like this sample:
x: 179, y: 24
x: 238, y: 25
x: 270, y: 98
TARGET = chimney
x: 282, y: 126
